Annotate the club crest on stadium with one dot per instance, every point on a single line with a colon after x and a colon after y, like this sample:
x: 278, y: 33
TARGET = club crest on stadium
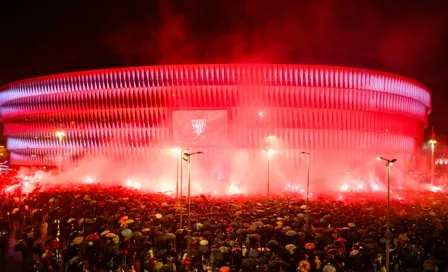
x: 199, y: 125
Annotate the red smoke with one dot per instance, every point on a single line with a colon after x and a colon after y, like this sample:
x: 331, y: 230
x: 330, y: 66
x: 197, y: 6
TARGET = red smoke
x: 328, y: 32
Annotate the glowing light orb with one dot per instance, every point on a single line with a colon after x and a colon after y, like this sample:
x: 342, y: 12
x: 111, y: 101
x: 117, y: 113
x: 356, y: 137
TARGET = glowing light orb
x: 89, y: 180
x: 344, y: 187
x: 234, y: 190
x: 133, y: 184
x: 435, y: 188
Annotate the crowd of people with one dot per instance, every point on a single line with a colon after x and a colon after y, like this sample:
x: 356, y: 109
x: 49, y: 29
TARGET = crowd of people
x: 97, y: 228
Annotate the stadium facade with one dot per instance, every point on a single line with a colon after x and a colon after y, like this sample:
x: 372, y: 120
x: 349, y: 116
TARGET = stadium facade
x: 353, y: 114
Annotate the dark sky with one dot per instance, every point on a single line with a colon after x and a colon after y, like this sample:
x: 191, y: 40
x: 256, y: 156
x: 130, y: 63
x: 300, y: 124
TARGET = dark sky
x: 404, y: 37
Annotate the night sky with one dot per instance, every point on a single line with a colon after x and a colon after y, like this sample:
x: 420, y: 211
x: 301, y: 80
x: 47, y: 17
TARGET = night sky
x: 409, y: 38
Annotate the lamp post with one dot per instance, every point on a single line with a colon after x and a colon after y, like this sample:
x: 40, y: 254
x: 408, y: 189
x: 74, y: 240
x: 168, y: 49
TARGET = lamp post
x: 269, y: 153
x: 389, y: 163
x: 60, y: 135
x: 187, y: 157
x: 307, y: 191
x: 432, y: 142
x: 179, y: 153
x: 179, y: 158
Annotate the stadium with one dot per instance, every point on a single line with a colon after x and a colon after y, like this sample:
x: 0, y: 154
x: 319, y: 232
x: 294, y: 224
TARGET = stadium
x: 228, y: 111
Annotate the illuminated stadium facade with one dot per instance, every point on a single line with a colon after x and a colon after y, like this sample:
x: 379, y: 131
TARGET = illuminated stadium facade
x: 334, y: 112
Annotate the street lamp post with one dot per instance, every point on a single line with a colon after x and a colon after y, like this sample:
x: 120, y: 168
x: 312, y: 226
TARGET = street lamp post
x: 179, y: 158
x: 432, y: 142
x: 389, y: 163
x: 307, y: 191
x: 269, y: 152
x: 268, y: 189
x: 60, y: 135
x: 187, y: 157
x: 179, y: 153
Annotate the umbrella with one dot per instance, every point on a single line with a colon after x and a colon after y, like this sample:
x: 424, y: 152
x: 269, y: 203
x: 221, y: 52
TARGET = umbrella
x: 105, y: 232
x: 137, y: 234
x: 16, y: 210
x: 241, y: 231
x: 92, y: 237
x: 329, y: 268
x: 129, y: 221
x: 158, y: 216
x: 203, y: 242
x: 78, y: 240
x: 73, y: 260
x: 291, y: 233
x: 203, y: 249
x: 224, y: 269
x: 170, y: 236
x: 110, y: 235
x: 249, y: 262
x: 258, y: 224
x: 126, y: 232
x: 145, y: 230
x: 290, y: 247
x: 38, y: 210
x: 403, y: 237
x: 304, y: 265
x: 310, y: 246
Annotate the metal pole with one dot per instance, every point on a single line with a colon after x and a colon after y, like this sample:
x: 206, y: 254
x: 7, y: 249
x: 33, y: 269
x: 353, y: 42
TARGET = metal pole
x: 268, y: 177
x: 178, y: 156
x: 181, y: 185
x: 60, y: 156
x: 432, y: 164
x: 189, y: 214
x: 388, y: 218
x: 307, y: 193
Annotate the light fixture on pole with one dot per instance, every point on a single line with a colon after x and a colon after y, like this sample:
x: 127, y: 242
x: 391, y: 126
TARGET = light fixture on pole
x: 307, y: 191
x: 269, y: 153
x: 60, y: 135
x: 432, y: 142
x: 179, y: 152
x: 388, y: 235
x: 187, y: 157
